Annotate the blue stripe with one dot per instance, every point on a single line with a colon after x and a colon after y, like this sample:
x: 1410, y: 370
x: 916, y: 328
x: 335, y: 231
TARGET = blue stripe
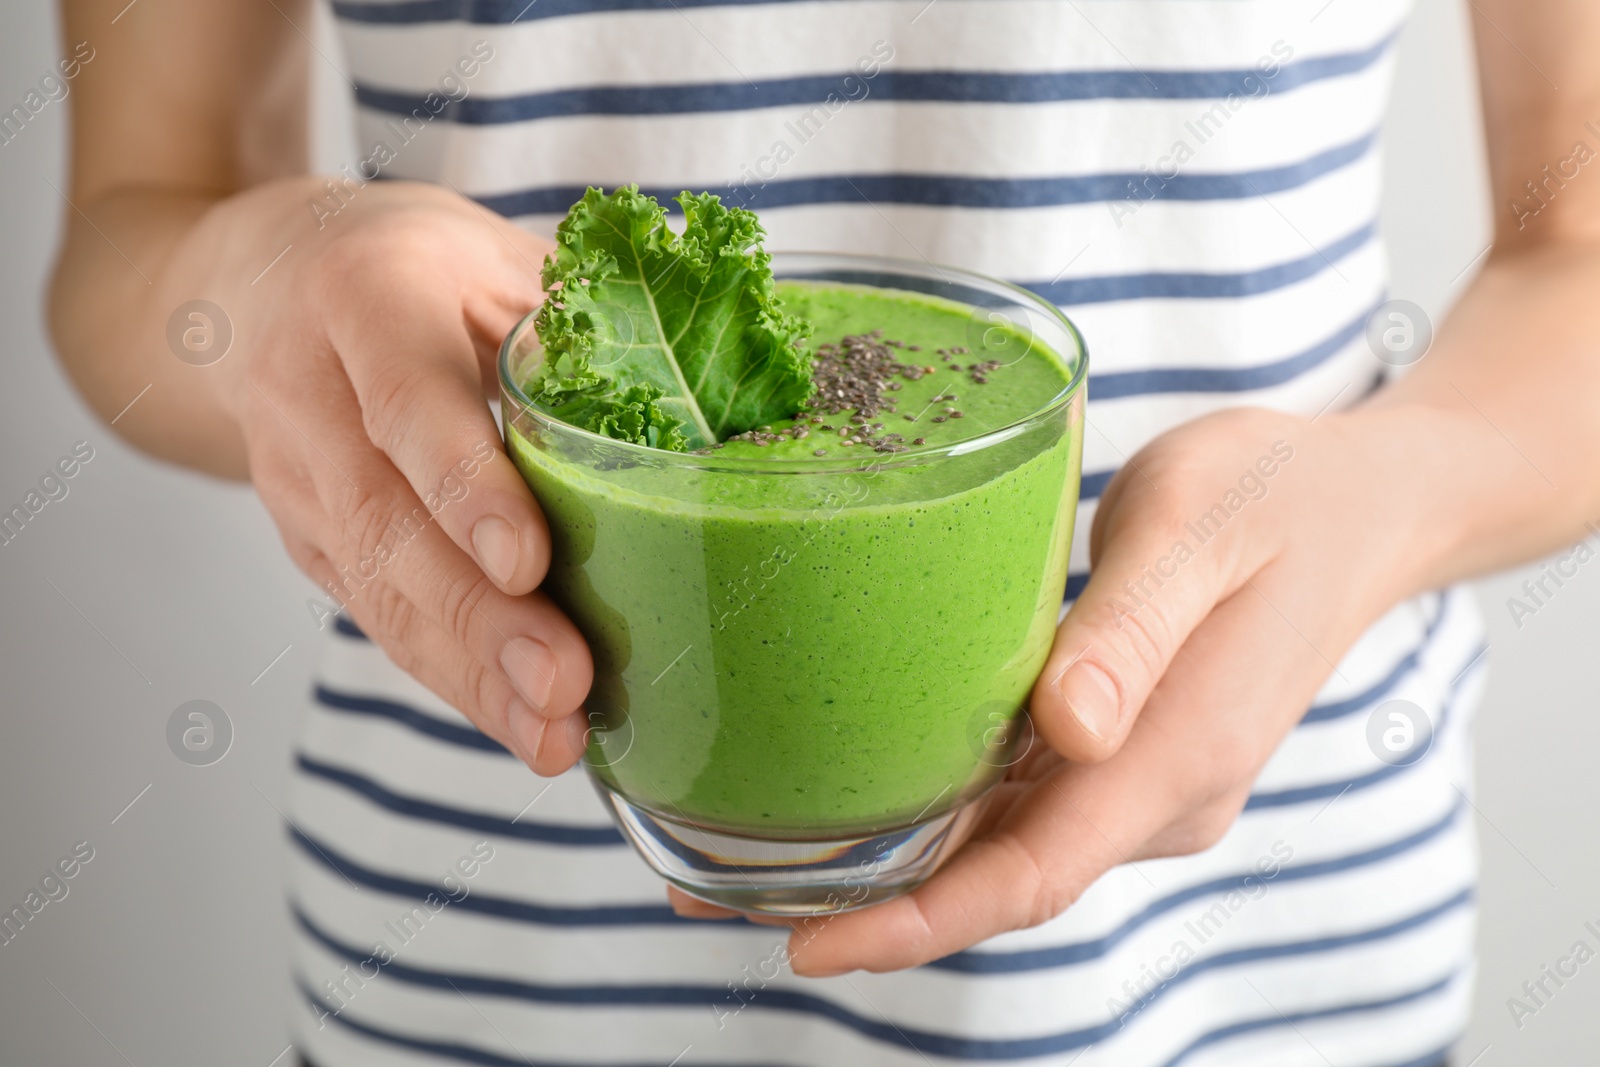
x: 343, y: 625
x: 1322, y: 791
x: 1119, y: 385
x: 1149, y: 285
x: 545, y: 833
x: 1439, y: 1057
x: 415, y: 808
x: 941, y: 190
x: 1338, y: 709
x: 471, y: 1054
x: 1193, y: 285
x: 1331, y: 943
x: 1034, y: 959
x: 1461, y: 899
x: 903, y: 86
x: 1038, y: 959
x: 406, y: 715
x: 499, y: 907
x: 1093, y: 484
x: 1275, y: 1020
x: 454, y: 1051
x: 967, y: 962
x: 504, y: 12
x: 886, y: 1031
x: 985, y: 86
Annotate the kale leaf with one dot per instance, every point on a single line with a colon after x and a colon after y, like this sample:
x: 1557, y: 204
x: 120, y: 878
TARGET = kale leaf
x: 672, y: 341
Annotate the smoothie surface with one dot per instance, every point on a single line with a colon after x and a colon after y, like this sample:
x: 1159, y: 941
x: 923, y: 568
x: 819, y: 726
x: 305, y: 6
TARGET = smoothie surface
x: 971, y: 375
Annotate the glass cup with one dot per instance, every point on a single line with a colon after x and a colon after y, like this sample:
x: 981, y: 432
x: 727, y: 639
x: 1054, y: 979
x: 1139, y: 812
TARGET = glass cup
x: 810, y: 675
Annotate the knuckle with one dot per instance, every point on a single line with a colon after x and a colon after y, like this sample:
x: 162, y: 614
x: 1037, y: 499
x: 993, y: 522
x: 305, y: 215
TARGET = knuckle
x: 384, y: 615
x: 391, y: 620
x: 398, y: 237
x: 366, y: 521
x: 921, y: 935
x: 1221, y: 787
x: 332, y: 274
x: 362, y: 251
x: 1038, y: 899
x: 555, y: 753
x: 1196, y: 835
x: 1200, y: 830
x: 312, y: 561
x: 455, y: 677
x: 1222, y: 781
x: 1142, y: 640
x: 391, y: 402
x: 365, y: 264
x: 482, y: 690
x: 1168, y: 512
x: 1212, y: 828
x: 461, y: 604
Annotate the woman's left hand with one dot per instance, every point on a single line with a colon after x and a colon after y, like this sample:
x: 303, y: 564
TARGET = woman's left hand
x: 1236, y: 559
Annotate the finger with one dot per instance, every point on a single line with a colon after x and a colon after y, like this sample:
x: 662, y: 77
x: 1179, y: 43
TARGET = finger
x: 548, y: 746
x: 383, y: 527
x: 1152, y: 583
x: 527, y: 638
x: 379, y: 536
x: 420, y: 647
x: 1233, y: 691
x: 1044, y: 852
x: 691, y: 907
x: 419, y: 383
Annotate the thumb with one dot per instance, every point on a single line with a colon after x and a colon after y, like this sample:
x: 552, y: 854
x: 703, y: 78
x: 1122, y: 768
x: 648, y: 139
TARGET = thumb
x: 1155, y: 582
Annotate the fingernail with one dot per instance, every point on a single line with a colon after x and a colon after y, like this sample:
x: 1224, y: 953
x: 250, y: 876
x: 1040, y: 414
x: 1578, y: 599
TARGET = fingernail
x: 531, y: 666
x: 495, y: 541
x: 805, y: 970
x: 527, y: 729
x: 578, y: 732
x: 1091, y: 696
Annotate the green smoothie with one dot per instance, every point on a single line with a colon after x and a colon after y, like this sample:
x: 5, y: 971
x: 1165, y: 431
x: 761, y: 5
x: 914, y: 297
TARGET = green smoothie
x: 802, y: 633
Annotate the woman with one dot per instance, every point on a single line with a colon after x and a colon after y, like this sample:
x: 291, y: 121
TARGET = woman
x: 1202, y: 869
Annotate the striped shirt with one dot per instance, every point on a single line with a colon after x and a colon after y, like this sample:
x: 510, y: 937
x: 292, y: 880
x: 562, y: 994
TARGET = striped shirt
x: 1197, y: 183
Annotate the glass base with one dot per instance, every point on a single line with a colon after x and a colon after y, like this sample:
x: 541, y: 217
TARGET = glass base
x: 792, y: 877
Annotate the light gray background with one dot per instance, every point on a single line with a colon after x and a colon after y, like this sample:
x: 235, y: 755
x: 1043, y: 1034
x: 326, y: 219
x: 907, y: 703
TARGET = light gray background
x: 147, y: 587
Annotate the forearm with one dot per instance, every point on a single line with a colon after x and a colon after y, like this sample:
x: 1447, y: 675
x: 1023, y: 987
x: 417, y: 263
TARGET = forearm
x: 163, y: 157
x: 1487, y: 450
x: 130, y: 259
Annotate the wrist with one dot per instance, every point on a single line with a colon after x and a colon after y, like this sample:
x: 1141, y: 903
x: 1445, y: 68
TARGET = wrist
x: 1430, y: 504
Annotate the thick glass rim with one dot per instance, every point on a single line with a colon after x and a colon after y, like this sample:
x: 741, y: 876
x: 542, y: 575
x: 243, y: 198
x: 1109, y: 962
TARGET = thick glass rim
x: 798, y: 266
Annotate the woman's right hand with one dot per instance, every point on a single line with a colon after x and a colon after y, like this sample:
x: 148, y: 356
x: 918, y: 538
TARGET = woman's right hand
x: 358, y: 377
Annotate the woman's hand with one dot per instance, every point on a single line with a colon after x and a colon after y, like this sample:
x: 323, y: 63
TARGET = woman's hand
x: 365, y: 317
x: 1235, y: 561
x: 358, y: 377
